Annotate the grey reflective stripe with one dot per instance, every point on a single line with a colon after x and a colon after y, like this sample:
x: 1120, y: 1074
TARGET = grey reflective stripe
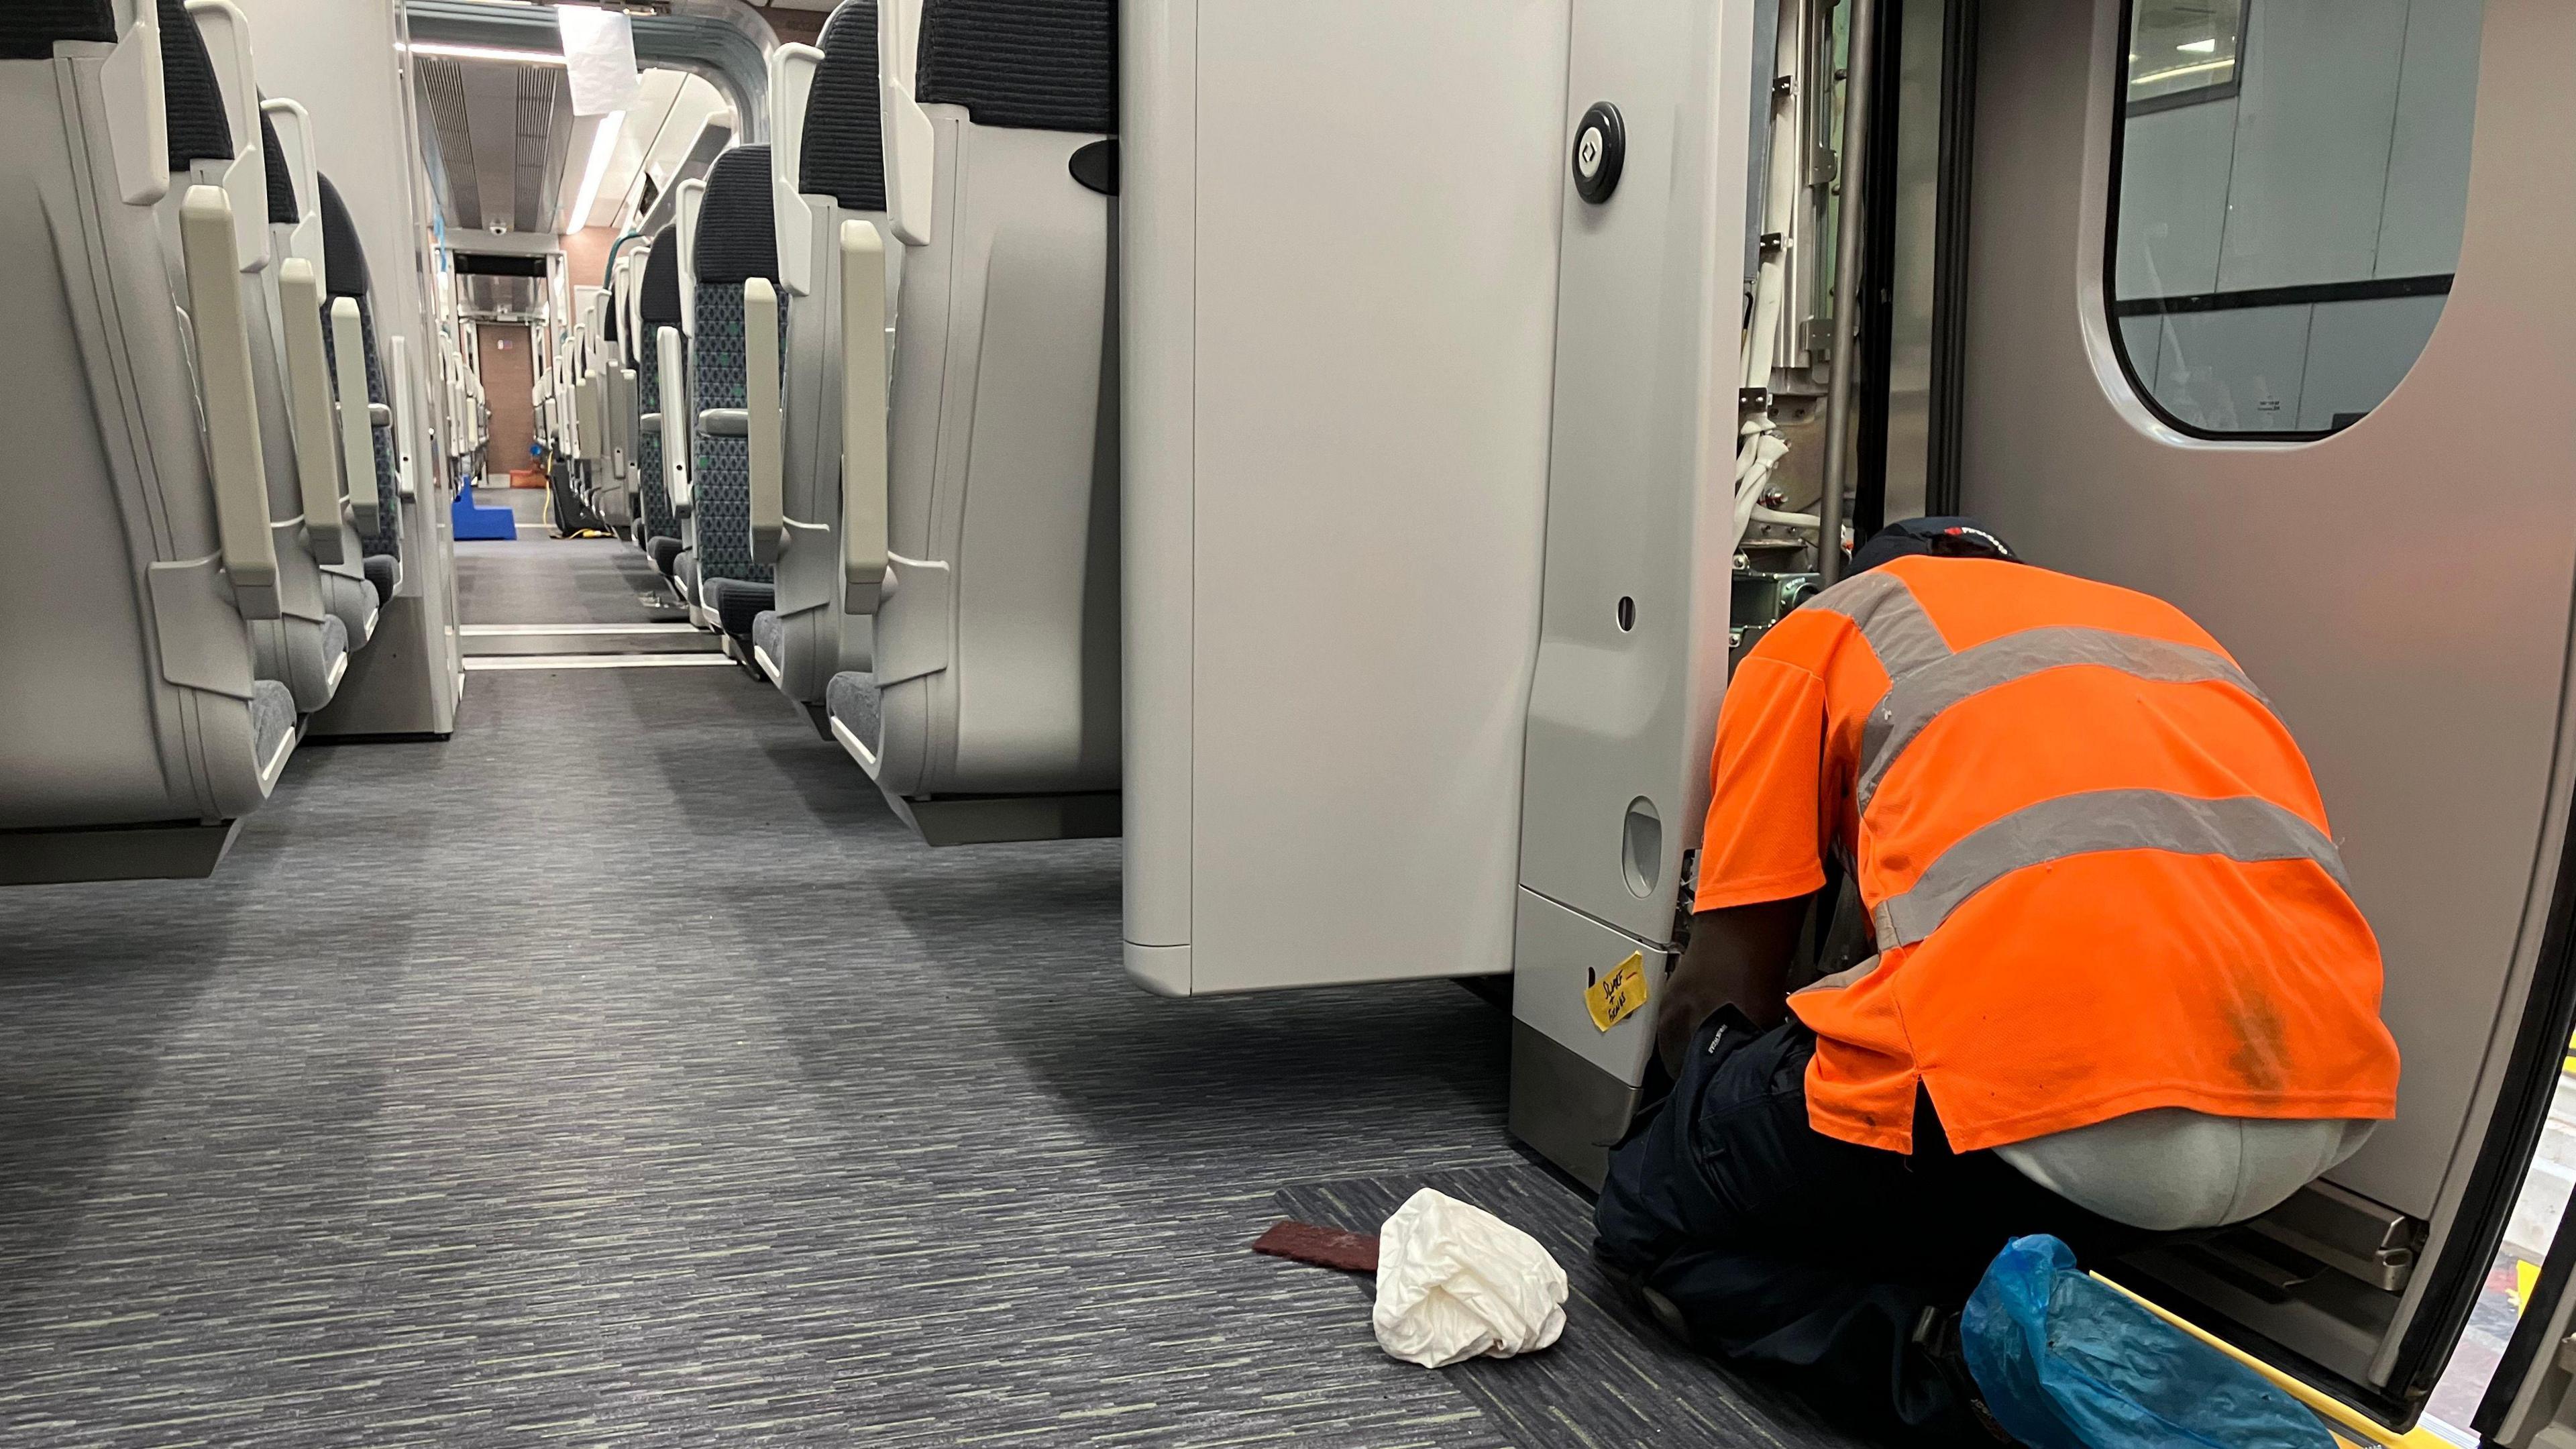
x: 1840, y: 979
x: 2243, y: 828
x: 1898, y: 631
x: 1917, y: 699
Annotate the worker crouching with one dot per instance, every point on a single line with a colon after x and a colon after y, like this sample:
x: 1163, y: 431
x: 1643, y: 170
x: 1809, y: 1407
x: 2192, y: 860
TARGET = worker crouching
x: 2105, y: 977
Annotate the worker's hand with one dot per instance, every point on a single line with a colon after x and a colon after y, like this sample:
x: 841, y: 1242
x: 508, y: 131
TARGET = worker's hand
x: 1738, y: 957
x: 1677, y: 1020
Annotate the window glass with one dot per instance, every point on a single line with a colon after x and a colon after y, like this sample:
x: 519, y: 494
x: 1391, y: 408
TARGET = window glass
x: 2292, y: 178
x: 2182, y: 50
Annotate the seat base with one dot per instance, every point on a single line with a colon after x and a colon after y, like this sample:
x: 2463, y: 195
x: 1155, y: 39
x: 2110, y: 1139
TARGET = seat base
x: 176, y: 850
x: 997, y: 819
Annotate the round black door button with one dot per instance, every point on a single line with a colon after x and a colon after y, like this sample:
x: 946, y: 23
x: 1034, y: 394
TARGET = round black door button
x: 1600, y: 146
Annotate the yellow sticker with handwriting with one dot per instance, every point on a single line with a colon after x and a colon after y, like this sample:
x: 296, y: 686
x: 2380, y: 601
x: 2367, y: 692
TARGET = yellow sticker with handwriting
x: 1614, y: 996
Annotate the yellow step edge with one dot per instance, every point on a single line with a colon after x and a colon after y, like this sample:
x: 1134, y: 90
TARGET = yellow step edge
x: 2353, y: 1428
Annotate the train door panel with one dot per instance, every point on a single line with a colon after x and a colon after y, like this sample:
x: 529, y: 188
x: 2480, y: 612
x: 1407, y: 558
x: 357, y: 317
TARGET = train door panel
x: 2266, y: 310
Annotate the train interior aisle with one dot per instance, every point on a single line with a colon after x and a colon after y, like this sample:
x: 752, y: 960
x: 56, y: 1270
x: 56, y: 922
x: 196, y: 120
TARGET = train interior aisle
x: 655, y: 1085
x: 755, y: 721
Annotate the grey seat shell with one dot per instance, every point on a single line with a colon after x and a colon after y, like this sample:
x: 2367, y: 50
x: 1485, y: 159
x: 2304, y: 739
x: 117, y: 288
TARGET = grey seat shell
x: 996, y: 650
x: 213, y: 130
x: 839, y: 177
x: 130, y: 693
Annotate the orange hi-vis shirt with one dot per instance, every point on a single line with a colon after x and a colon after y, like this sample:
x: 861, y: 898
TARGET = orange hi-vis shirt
x: 2098, y: 874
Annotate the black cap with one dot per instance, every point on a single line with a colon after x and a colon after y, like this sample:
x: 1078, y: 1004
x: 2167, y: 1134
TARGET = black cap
x: 1938, y: 537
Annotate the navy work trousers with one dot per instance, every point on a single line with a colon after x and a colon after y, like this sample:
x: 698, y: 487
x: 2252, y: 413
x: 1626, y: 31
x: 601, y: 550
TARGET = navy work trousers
x: 1770, y: 1243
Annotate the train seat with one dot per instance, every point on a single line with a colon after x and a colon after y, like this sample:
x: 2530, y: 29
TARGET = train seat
x: 680, y: 454
x: 366, y: 430
x: 133, y: 697
x: 613, y: 483
x: 996, y: 649
x: 735, y: 247
x: 657, y: 305
x: 295, y: 227
x: 827, y: 170
x: 215, y: 141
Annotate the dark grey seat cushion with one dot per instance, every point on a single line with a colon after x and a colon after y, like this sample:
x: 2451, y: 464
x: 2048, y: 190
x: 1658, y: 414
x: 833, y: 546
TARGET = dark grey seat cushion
x: 769, y: 635
x: 664, y: 550
x: 354, y: 602
x: 684, y: 575
x: 851, y: 698
x: 385, y: 572
x: 272, y: 718
x: 736, y: 603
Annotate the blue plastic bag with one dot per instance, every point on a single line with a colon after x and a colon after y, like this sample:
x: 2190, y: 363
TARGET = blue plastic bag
x: 2066, y: 1362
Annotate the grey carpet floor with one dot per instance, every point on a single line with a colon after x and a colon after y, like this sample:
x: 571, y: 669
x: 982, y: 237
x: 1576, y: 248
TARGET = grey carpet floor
x: 534, y: 579
x: 1613, y: 1381
x: 621, y: 1072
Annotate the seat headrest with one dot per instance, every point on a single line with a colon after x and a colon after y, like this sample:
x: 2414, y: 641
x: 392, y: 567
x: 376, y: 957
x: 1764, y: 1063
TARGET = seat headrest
x: 190, y: 93
x: 344, y: 257
x: 660, y: 304
x: 844, y: 156
x: 735, y: 239
x: 29, y: 28
x: 1041, y: 65
x: 282, y: 209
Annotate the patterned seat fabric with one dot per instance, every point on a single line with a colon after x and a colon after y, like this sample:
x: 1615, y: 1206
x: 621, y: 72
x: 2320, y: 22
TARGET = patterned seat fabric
x: 735, y: 243
x: 738, y: 604
x: 659, y: 307
x: 844, y: 154
x: 29, y: 28
x: 852, y: 699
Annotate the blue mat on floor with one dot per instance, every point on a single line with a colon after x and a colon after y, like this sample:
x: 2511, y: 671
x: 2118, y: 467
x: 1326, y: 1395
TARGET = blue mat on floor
x: 474, y: 521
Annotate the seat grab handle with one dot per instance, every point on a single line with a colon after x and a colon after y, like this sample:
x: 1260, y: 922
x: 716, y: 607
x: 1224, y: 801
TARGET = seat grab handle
x: 863, y: 417
x: 239, y: 473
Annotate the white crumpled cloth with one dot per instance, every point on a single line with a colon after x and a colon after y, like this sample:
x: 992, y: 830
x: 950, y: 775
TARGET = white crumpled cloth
x: 1455, y: 1282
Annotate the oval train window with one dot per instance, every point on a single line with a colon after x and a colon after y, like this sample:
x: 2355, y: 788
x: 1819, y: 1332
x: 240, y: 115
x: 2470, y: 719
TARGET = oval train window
x: 2290, y: 182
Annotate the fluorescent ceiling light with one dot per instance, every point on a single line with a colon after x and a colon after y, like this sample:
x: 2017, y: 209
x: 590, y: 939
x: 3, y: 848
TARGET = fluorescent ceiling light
x: 2182, y: 70
x: 602, y: 147
x: 486, y: 52
x: 2199, y: 47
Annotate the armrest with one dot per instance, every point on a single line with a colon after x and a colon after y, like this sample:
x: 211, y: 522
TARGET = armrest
x: 357, y: 415
x: 768, y: 428
x: 585, y: 418
x: 725, y: 422
x: 649, y: 423
x: 308, y: 400
x: 621, y: 417
x: 378, y: 415
x: 863, y: 418
x: 233, y: 459
x: 675, y: 441
x: 399, y: 351
x: 630, y: 421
